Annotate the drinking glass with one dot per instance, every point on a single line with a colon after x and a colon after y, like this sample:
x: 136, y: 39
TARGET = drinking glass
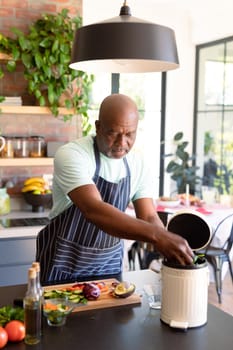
x: 209, y: 194
x: 153, y: 294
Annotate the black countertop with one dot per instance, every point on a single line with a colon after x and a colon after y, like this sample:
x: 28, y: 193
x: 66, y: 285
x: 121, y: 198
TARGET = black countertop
x: 128, y: 327
x: 22, y: 222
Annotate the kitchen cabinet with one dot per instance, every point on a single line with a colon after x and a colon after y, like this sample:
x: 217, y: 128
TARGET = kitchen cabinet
x: 16, y: 256
x: 18, y: 247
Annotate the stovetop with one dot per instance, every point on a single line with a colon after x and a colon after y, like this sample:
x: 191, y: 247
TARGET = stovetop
x: 20, y: 222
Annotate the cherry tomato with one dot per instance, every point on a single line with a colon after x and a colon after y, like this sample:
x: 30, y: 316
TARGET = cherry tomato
x: 3, y: 337
x: 15, y: 330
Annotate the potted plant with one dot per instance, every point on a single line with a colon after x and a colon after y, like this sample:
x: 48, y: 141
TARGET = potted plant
x: 218, y: 175
x: 180, y: 167
x: 45, y: 52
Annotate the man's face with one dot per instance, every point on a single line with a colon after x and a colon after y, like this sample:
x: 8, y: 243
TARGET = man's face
x: 116, y: 136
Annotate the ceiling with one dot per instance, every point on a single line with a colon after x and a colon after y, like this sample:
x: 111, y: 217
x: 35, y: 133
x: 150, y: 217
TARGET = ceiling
x: 209, y: 19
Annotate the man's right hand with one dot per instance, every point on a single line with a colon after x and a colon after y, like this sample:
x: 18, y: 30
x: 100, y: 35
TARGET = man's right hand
x: 175, y: 248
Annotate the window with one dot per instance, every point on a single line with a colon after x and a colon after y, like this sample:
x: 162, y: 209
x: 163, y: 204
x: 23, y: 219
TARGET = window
x: 213, y: 114
x: 145, y: 89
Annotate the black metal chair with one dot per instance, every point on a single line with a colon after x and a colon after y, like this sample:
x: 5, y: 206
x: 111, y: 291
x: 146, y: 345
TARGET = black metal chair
x: 217, y: 256
x: 144, y: 251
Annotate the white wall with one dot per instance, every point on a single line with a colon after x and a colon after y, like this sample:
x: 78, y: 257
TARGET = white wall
x: 194, y: 22
x: 212, y: 19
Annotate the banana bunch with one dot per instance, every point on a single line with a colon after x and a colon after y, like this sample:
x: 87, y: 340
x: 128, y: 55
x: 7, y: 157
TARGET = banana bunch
x: 36, y: 185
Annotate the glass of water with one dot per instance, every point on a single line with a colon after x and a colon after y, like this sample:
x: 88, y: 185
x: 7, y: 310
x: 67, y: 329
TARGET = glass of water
x: 153, y: 294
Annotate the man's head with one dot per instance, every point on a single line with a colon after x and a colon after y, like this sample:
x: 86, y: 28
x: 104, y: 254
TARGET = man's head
x: 117, y: 125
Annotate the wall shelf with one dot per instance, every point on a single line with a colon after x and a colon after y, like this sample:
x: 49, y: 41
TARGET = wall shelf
x: 32, y: 110
x: 7, y: 162
x: 29, y: 110
x: 4, y: 57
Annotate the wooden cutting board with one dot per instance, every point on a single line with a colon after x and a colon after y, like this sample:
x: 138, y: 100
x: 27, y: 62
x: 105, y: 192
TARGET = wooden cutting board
x: 105, y: 300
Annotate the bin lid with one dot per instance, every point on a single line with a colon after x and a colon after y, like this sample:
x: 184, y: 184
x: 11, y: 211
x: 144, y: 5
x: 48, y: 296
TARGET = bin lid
x: 192, y: 226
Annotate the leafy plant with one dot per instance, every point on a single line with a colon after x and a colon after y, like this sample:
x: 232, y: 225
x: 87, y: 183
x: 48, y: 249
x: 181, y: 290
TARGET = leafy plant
x: 224, y: 179
x: 180, y: 167
x: 9, y: 313
x: 217, y: 174
x: 45, y: 52
x: 208, y: 143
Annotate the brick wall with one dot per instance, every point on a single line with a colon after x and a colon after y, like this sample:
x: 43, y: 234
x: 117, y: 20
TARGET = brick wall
x: 20, y: 13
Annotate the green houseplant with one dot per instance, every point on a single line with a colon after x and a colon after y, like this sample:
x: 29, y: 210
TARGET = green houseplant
x: 180, y: 167
x: 45, y: 51
x: 218, y: 174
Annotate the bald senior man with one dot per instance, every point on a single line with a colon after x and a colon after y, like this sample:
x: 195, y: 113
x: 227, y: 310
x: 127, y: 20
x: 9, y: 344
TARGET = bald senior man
x: 95, y: 178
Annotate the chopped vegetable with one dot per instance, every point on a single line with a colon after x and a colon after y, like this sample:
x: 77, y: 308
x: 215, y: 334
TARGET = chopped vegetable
x: 56, y: 310
x: 199, y: 259
x: 102, y: 286
x: 71, y: 295
x: 51, y: 307
x: 79, y: 292
x: 91, y: 291
x: 123, y: 289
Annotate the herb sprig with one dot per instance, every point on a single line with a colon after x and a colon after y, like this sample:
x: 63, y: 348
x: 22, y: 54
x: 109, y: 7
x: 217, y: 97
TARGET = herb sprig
x: 8, y: 313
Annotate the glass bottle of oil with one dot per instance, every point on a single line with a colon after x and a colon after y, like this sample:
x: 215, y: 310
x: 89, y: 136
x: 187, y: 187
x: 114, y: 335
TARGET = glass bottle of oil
x: 32, y: 310
x: 36, y: 266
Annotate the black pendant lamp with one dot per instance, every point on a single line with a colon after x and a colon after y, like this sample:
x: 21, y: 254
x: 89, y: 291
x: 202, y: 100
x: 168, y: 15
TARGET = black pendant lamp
x: 124, y: 44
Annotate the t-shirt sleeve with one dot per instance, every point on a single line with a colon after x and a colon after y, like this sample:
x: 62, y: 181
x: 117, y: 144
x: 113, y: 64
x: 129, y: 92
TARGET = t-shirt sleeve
x: 72, y: 167
x: 144, y: 180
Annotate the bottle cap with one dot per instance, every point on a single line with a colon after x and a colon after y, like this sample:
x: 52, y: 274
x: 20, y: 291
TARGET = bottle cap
x: 32, y: 272
x: 36, y: 266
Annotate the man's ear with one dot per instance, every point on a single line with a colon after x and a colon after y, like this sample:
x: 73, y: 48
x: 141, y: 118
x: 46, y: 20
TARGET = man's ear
x: 97, y: 125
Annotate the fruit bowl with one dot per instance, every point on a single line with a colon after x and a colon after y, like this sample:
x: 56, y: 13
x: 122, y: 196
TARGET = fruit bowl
x: 56, y: 311
x: 38, y: 201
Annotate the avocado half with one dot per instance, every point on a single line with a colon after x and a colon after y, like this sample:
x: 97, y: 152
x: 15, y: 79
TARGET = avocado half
x: 123, y: 289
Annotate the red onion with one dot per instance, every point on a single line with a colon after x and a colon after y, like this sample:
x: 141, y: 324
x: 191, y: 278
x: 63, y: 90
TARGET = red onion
x: 91, y: 291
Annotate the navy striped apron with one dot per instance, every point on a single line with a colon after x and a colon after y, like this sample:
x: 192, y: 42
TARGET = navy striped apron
x: 70, y: 247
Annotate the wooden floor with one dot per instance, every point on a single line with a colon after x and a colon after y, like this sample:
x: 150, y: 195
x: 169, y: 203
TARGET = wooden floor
x: 227, y: 295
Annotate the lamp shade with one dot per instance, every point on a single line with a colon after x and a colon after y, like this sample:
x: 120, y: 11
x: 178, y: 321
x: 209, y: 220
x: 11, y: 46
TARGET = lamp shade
x: 124, y: 44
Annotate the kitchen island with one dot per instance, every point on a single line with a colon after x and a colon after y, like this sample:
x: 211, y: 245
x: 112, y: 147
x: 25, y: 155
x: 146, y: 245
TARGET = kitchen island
x: 128, y: 327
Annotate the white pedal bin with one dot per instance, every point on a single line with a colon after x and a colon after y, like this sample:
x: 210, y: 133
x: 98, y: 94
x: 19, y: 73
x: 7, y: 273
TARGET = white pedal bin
x: 185, y: 288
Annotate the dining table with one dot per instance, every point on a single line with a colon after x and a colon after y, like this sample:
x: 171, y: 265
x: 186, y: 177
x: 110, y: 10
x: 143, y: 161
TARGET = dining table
x: 219, y: 218
x: 131, y: 327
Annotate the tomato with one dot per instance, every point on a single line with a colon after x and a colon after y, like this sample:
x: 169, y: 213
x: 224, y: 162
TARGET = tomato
x: 15, y: 330
x: 3, y: 337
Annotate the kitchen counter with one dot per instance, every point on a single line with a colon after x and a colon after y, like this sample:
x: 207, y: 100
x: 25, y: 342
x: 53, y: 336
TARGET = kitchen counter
x: 128, y: 327
x: 21, y: 231
x: 24, y: 214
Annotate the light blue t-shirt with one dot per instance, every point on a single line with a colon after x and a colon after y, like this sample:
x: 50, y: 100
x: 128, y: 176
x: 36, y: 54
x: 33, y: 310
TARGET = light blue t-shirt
x: 74, y: 166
